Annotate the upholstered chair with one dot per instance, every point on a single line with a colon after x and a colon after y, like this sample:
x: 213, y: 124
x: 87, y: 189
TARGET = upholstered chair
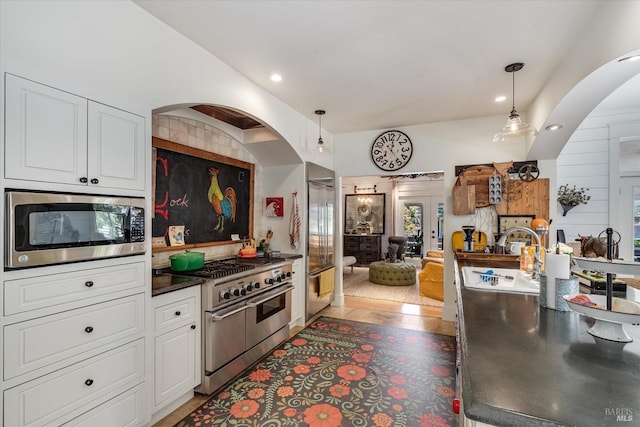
x: 401, y: 241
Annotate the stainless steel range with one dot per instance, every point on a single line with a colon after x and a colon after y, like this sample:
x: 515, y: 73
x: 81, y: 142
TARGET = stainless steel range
x: 246, y: 313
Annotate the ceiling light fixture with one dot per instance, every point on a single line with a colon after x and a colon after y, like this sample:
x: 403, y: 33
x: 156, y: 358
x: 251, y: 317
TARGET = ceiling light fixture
x: 320, y: 113
x: 515, y: 128
x: 554, y: 126
x: 500, y: 98
x: 275, y: 77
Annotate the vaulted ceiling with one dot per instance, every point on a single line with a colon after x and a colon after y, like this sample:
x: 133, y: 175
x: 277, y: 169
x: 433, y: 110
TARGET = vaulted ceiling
x: 384, y: 64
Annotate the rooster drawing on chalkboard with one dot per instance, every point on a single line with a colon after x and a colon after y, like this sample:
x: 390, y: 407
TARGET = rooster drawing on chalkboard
x: 223, y: 204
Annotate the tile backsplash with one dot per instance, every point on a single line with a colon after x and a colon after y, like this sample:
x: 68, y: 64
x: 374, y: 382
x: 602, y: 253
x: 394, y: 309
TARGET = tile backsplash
x: 206, y: 137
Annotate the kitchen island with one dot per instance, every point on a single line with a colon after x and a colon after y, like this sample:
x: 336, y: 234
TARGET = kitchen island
x: 524, y: 365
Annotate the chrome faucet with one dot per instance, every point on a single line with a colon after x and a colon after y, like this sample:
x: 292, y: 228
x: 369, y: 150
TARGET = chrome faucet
x: 537, y: 262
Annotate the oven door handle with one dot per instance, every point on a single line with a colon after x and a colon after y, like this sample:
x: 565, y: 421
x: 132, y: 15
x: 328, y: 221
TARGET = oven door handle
x: 280, y: 291
x: 218, y: 317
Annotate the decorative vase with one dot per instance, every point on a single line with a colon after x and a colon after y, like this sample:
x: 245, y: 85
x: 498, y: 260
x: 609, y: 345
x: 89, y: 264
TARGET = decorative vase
x: 566, y: 208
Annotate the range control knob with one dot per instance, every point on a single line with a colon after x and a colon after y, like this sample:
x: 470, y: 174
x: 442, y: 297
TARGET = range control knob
x: 249, y: 287
x: 243, y: 291
x: 225, y: 295
x: 235, y: 292
x: 279, y: 279
x: 268, y: 281
x: 256, y: 285
x: 288, y: 274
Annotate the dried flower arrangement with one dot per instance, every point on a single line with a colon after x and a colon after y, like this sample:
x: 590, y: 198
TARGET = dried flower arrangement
x: 570, y: 197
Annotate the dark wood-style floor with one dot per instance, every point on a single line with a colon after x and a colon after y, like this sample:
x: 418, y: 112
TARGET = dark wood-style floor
x: 409, y: 316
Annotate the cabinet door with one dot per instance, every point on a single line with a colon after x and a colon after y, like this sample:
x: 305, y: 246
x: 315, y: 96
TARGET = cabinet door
x: 46, y: 133
x: 175, y: 363
x: 297, y: 295
x: 115, y: 148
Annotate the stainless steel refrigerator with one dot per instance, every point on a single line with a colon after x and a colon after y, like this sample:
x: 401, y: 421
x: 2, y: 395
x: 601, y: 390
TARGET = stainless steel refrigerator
x: 320, y: 234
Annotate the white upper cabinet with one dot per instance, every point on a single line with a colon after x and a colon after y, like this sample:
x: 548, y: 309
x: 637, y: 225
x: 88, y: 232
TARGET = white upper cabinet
x: 116, y: 148
x: 54, y: 136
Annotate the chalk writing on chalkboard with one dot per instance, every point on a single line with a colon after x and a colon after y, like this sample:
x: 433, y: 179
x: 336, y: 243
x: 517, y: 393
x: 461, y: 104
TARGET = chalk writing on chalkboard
x: 209, y: 194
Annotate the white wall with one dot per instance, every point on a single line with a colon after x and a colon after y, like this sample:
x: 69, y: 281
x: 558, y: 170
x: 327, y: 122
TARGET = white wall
x: 590, y: 159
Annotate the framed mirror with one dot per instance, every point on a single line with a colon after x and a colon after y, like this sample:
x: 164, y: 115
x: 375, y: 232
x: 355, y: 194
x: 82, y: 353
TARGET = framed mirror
x: 364, y: 213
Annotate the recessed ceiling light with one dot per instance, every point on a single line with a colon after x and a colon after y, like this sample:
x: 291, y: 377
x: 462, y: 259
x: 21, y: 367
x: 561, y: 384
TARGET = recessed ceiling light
x: 275, y: 77
x: 630, y: 58
x: 500, y: 98
x: 553, y: 127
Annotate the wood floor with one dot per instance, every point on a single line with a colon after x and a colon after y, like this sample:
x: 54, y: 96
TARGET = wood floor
x: 409, y: 316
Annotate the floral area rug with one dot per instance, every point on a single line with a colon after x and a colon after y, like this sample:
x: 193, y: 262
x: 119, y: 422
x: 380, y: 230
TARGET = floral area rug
x: 342, y: 373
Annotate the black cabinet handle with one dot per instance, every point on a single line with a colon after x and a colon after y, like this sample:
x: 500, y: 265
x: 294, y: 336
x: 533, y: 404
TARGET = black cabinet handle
x: 178, y: 313
x: 84, y: 180
x: 88, y: 329
x: 88, y: 283
x: 193, y: 326
x: 88, y: 382
x: 94, y: 180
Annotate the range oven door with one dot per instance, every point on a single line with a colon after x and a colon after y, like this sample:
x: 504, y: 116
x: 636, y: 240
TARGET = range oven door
x: 224, y: 336
x: 268, y: 313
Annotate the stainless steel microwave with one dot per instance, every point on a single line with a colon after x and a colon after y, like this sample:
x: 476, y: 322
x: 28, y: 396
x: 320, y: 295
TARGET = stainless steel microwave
x: 53, y: 228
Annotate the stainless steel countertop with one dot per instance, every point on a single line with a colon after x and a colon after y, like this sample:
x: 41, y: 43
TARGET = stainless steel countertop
x: 526, y: 365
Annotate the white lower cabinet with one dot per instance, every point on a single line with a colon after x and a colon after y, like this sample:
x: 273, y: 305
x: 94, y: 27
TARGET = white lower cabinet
x: 61, y: 395
x: 126, y: 410
x: 41, y: 342
x: 177, y: 345
x: 73, y: 345
x: 297, y: 295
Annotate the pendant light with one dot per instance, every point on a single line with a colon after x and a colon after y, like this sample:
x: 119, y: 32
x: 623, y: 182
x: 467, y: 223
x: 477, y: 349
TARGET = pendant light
x: 515, y: 129
x: 321, y: 147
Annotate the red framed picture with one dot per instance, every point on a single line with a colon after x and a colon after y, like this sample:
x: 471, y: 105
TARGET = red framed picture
x: 274, y: 206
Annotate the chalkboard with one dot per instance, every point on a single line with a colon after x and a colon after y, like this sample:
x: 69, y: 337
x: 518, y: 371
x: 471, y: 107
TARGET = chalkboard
x: 209, y: 194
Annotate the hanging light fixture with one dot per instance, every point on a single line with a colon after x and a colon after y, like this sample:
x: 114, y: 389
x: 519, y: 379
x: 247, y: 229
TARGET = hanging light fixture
x: 515, y: 129
x: 321, y: 147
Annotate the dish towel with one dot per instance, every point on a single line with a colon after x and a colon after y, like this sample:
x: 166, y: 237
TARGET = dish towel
x: 294, y: 224
x: 326, y: 282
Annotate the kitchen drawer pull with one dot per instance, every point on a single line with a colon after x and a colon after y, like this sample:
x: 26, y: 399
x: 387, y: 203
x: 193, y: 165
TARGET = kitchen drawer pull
x: 88, y: 283
x: 88, y: 382
x: 218, y: 317
x: 88, y: 329
x: 193, y: 326
x: 84, y: 180
x: 266, y: 298
x: 177, y: 313
x: 94, y: 180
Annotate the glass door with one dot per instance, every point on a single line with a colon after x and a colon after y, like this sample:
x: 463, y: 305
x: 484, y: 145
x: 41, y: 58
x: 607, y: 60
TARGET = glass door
x: 630, y: 218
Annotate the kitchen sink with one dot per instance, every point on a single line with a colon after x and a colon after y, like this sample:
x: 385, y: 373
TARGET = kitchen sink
x: 499, y: 280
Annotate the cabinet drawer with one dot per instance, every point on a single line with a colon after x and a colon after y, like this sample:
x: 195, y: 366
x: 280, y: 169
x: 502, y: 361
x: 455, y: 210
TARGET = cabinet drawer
x: 124, y: 410
x: 52, y: 399
x: 39, y: 292
x: 368, y: 247
x: 177, y: 308
x: 351, y: 246
x: 39, y: 342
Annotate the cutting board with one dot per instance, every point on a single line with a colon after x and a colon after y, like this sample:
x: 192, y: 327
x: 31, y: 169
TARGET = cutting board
x: 464, y: 198
x: 479, y: 241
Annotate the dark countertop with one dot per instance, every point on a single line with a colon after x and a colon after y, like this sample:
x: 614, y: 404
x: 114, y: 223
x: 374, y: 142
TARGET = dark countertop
x: 163, y: 283
x: 526, y: 365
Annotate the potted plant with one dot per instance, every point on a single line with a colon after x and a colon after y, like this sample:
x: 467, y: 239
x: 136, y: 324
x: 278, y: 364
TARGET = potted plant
x: 570, y: 197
